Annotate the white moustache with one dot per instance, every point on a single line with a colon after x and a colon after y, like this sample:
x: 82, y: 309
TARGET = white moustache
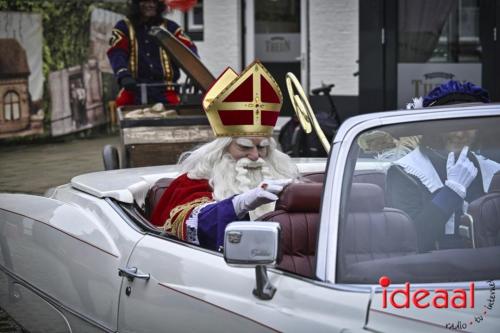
x: 249, y: 164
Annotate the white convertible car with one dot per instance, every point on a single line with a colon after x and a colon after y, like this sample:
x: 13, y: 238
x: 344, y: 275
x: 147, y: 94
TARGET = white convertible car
x: 339, y: 253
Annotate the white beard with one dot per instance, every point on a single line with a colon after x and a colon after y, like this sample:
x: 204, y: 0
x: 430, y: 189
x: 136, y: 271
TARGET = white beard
x: 230, y: 177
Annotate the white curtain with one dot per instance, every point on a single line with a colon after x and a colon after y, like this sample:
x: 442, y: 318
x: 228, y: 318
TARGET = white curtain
x: 420, y: 23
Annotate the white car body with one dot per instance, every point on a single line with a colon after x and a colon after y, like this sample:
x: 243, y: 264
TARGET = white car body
x: 59, y: 261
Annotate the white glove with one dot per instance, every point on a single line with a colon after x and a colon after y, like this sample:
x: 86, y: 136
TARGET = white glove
x: 263, y: 194
x: 460, y: 174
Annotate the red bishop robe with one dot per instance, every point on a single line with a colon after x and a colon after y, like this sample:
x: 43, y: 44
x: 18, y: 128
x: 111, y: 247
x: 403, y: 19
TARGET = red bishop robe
x: 177, y: 203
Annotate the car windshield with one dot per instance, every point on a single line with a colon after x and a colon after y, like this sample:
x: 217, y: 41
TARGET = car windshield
x: 421, y: 203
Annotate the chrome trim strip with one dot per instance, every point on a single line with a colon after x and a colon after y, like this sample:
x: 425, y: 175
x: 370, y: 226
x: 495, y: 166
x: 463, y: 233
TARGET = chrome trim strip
x: 52, y: 301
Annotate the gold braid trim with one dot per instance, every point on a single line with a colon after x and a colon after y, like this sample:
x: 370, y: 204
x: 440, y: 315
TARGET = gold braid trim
x: 174, y: 225
x: 165, y: 64
x: 133, y: 48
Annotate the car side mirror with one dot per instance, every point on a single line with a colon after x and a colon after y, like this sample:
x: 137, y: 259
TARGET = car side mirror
x: 248, y: 244
x: 254, y: 244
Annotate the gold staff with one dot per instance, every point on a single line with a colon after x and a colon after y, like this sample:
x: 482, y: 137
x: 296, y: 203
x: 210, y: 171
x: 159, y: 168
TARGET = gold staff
x: 303, y: 109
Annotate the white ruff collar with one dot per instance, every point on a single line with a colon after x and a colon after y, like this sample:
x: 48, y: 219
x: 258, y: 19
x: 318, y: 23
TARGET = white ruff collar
x: 417, y: 164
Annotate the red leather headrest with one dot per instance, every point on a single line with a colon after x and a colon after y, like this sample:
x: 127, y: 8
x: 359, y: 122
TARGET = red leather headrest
x: 300, y: 197
x: 154, y: 195
x: 495, y: 183
x: 366, y: 197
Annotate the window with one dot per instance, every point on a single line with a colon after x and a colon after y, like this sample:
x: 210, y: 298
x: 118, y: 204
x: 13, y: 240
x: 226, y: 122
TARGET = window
x: 11, y: 106
x: 194, y: 22
x: 396, y: 219
x: 443, y: 31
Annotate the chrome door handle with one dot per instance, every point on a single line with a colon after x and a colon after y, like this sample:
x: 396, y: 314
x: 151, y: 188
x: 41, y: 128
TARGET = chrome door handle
x: 131, y: 273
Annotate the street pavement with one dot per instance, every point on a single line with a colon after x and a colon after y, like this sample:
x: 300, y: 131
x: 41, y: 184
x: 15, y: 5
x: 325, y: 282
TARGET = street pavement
x: 34, y: 168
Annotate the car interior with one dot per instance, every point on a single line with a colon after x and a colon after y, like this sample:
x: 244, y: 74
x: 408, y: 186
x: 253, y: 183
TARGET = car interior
x: 374, y: 238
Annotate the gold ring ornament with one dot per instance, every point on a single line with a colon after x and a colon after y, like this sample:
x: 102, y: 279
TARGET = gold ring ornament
x: 303, y: 109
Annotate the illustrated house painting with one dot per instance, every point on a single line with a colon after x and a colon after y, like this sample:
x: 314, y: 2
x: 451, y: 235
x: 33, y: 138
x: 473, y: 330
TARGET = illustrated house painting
x: 15, y: 118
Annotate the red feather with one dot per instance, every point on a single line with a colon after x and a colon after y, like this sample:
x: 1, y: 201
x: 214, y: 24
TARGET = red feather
x: 182, y: 5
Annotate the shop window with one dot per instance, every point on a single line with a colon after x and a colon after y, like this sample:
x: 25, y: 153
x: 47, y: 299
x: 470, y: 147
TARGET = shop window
x: 11, y: 106
x: 444, y: 31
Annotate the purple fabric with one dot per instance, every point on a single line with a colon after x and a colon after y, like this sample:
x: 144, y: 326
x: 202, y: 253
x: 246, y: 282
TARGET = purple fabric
x: 455, y: 87
x: 447, y: 200
x: 212, y: 221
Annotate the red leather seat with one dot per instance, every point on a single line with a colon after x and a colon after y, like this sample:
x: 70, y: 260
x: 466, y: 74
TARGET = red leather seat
x: 485, y: 212
x: 495, y: 183
x: 297, y: 211
x: 154, y: 194
x: 376, y: 177
x: 316, y: 177
x: 373, y: 231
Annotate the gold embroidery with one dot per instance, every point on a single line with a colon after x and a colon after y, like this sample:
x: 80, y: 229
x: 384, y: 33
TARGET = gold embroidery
x: 174, y: 225
x: 167, y: 70
x: 116, y: 37
x: 133, y: 48
x: 165, y: 64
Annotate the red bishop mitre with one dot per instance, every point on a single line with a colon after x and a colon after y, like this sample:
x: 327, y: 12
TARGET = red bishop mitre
x: 244, y: 105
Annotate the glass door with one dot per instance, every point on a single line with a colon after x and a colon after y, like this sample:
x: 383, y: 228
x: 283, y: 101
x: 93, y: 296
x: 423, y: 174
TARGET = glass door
x: 437, y: 40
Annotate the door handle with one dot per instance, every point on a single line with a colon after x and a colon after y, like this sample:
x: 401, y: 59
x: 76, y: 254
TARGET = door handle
x: 131, y: 273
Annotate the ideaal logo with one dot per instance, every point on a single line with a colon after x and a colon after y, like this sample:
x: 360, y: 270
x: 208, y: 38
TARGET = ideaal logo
x: 438, y: 298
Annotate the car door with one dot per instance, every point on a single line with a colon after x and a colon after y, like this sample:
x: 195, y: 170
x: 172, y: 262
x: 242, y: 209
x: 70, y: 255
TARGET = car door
x: 59, y: 261
x: 194, y: 290
x: 450, y: 286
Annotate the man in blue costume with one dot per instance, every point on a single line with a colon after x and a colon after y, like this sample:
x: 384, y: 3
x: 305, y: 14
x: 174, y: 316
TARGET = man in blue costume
x: 434, y: 182
x: 136, y: 58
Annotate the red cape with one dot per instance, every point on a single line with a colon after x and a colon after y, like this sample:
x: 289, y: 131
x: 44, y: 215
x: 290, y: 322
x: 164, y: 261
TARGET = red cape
x: 181, y: 191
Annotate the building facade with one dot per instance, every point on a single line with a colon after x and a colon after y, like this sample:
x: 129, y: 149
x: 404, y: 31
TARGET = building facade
x: 378, y: 53
x: 14, y: 96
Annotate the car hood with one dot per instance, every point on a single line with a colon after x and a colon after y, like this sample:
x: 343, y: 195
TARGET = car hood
x: 126, y: 184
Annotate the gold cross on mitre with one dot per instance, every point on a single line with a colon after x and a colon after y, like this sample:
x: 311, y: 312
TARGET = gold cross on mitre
x: 244, y: 105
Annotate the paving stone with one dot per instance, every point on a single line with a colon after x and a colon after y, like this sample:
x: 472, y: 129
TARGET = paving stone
x: 35, y: 168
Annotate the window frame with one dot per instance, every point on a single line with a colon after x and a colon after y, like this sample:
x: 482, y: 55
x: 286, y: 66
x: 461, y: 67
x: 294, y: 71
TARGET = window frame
x: 194, y: 31
x: 328, y: 242
x: 10, y: 104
